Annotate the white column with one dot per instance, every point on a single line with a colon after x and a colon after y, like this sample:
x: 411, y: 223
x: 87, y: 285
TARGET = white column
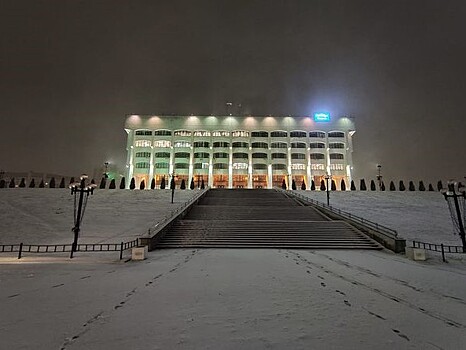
x: 230, y: 168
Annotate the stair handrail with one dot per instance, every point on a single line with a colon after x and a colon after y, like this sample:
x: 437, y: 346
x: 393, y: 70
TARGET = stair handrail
x: 372, y: 224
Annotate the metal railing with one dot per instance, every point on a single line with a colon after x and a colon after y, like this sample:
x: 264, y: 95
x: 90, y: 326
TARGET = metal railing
x: 22, y: 248
x: 371, y: 224
x: 440, y: 248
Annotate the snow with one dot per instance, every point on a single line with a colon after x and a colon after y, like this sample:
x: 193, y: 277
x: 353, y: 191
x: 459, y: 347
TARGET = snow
x: 223, y: 298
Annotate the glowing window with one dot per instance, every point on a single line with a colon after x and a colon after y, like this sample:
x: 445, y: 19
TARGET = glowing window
x: 182, y: 133
x: 182, y: 144
x: 298, y: 167
x: 202, y: 133
x: 240, y: 133
x: 142, y: 143
x: 221, y: 133
x: 239, y: 166
x: 317, y: 166
x: 162, y: 143
x: 337, y: 167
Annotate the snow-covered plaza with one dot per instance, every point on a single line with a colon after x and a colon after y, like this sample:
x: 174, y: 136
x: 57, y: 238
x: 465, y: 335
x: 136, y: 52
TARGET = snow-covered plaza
x: 225, y: 298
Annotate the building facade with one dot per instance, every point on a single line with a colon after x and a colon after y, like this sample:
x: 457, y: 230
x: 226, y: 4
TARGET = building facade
x: 239, y: 151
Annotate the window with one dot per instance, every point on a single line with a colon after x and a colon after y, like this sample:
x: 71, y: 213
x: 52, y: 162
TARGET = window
x: 263, y: 145
x: 279, y: 145
x: 318, y: 134
x: 298, y: 145
x: 142, y: 165
x: 336, y: 156
x: 337, y: 167
x: 181, y: 165
x: 182, y: 133
x: 336, y: 134
x: 201, y: 144
x: 317, y: 156
x: 298, y: 134
x: 317, y: 166
x: 336, y: 145
x: 162, y: 143
x: 240, y: 133
x: 144, y: 132
x: 259, y: 166
x: 259, y: 155
x: 142, y: 143
x: 182, y: 155
x: 162, y: 165
x: 279, y: 134
x: 162, y: 133
x: 240, y: 166
x: 221, y: 144
x: 317, y: 145
x: 162, y: 155
x: 202, y: 133
x: 279, y: 166
x: 298, y: 156
x: 201, y: 165
x: 142, y: 154
x: 220, y: 166
x: 298, y: 167
x: 278, y: 155
x: 221, y: 133
x: 240, y: 155
x: 240, y: 145
x: 201, y: 155
x: 259, y: 134
x: 182, y: 144
x: 220, y: 155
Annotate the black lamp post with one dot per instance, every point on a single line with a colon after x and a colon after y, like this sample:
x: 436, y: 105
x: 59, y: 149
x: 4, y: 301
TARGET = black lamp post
x: 328, y: 177
x: 457, y: 213
x: 79, y: 210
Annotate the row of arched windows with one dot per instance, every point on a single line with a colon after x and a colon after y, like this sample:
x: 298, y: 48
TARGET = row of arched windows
x: 278, y: 133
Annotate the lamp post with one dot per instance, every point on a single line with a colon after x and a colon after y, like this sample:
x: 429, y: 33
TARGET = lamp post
x: 379, y: 176
x: 79, y: 210
x: 106, y: 169
x: 453, y: 199
x: 173, y: 185
x: 328, y: 177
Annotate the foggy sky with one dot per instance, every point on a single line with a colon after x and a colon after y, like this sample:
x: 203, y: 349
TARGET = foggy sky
x: 71, y: 70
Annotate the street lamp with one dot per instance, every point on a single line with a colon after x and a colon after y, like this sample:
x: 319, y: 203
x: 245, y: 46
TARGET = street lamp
x: 456, y: 204
x: 328, y: 177
x: 82, y: 189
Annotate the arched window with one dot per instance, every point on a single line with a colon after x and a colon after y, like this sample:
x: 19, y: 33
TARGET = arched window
x: 298, y: 156
x: 201, y: 155
x: 220, y: 166
x: 298, y: 145
x: 181, y: 165
x: 182, y: 144
x: 317, y: 145
x: 336, y: 145
x: 259, y: 155
x: 221, y: 144
x: 220, y: 155
x: 142, y: 154
x: 240, y: 155
x: 162, y: 155
x: 279, y: 145
x: 279, y: 166
x: 259, y: 134
x: 279, y: 134
x: 162, y: 133
x: 336, y: 156
x: 317, y: 134
x: 144, y: 132
x: 259, y: 166
x: 182, y: 155
x: 240, y: 133
x: 263, y: 145
x: 298, y: 133
x: 142, y: 165
x: 240, y: 145
x: 317, y: 156
x: 182, y: 133
x: 142, y: 143
x: 278, y: 155
x: 204, y: 144
x: 336, y: 134
x: 161, y: 165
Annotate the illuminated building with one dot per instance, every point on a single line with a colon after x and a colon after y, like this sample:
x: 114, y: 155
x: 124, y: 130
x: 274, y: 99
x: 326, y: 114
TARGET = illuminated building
x: 239, y: 151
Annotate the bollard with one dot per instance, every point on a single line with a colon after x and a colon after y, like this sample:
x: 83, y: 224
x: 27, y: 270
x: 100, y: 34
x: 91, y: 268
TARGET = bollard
x: 20, y: 250
x: 121, y: 250
x: 443, y: 253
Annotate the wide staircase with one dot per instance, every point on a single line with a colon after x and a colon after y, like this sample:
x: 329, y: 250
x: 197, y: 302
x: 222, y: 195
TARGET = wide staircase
x: 260, y: 219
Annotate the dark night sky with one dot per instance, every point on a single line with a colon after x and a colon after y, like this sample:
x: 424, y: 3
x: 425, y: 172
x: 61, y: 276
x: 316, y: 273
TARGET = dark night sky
x: 71, y: 70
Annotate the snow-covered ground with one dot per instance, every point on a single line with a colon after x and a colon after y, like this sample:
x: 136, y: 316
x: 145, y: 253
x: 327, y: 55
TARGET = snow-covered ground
x: 220, y: 298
